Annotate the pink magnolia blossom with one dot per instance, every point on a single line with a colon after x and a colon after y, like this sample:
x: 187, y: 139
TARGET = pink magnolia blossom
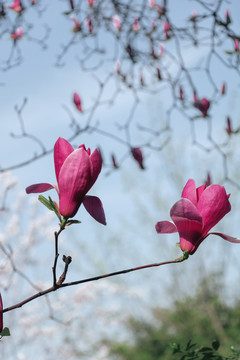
x: 16, y: 6
x: 117, y: 22
x: 91, y: 2
x: 136, y: 25
x: 194, y: 16
x: 77, y: 101
x: 76, y: 172
x: 223, y: 89
x: 151, y: 3
x: 202, y: 105
x: 166, y: 28
x: 195, y: 214
x: 1, y: 313
x: 236, y: 44
x: 228, y: 18
x: 161, y: 10
x: 162, y: 49
x: 229, y: 126
x: 77, y: 25
x: 138, y: 156
x: 16, y: 35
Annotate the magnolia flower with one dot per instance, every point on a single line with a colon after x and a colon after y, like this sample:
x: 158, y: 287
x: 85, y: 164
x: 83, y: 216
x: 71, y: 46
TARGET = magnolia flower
x: 162, y: 49
x: 195, y: 214
x: 202, y: 105
x: 236, y: 44
x: 16, y: 6
x: 16, y: 35
x: 229, y: 126
x: 117, y: 22
x: 136, y: 25
x: 228, y: 18
x: 76, y: 172
x: 151, y: 3
x: 91, y: 2
x: 1, y: 313
x: 194, y: 16
x: 138, y: 156
x: 223, y: 89
x: 166, y: 28
x: 77, y: 25
x: 77, y: 101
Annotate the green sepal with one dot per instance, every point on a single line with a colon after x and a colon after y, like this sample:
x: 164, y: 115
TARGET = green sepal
x: 45, y: 202
x: 54, y: 208
x: 229, y: 52
x: 185, y: 255
x: 49, y: 204
x: 5, y: 332
x: 70, y: 222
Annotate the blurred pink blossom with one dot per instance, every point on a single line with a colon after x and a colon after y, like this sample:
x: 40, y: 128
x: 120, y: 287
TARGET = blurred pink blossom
x: 77, y: 101
x: 117, y: 22
x: 136, y: 25
x: 202, y: 105
x: 138, y: 156
x: 16, y: 35
x: 16, y: 6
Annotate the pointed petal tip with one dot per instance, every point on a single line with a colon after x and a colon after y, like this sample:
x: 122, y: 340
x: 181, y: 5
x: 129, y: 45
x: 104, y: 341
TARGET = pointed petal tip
x: 94, y: 207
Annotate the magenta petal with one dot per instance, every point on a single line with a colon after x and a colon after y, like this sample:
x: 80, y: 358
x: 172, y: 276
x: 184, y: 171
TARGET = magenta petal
x: 165, y: 227
x: 74, y: 180
x: 188, y: 221
x: 96, y: 161
x: 189, y: 191
x: 38, y: 188
x: 62, y: 149
x: 94, y: 207
x: 213, y: 205
x: 226, y: 237
x: 200, y: 190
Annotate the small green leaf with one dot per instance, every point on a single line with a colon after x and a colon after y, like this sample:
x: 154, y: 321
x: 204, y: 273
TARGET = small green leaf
x: 5, y: 332
x: 229, y: 52
x: 70, y: 222
x: 67, y: 12
x: 185, y: 255
x: 45, y: 202
x: 53, y: 208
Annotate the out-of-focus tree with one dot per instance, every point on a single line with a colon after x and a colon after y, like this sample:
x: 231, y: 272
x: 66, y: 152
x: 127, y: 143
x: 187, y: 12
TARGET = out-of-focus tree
x: 202, y: 319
